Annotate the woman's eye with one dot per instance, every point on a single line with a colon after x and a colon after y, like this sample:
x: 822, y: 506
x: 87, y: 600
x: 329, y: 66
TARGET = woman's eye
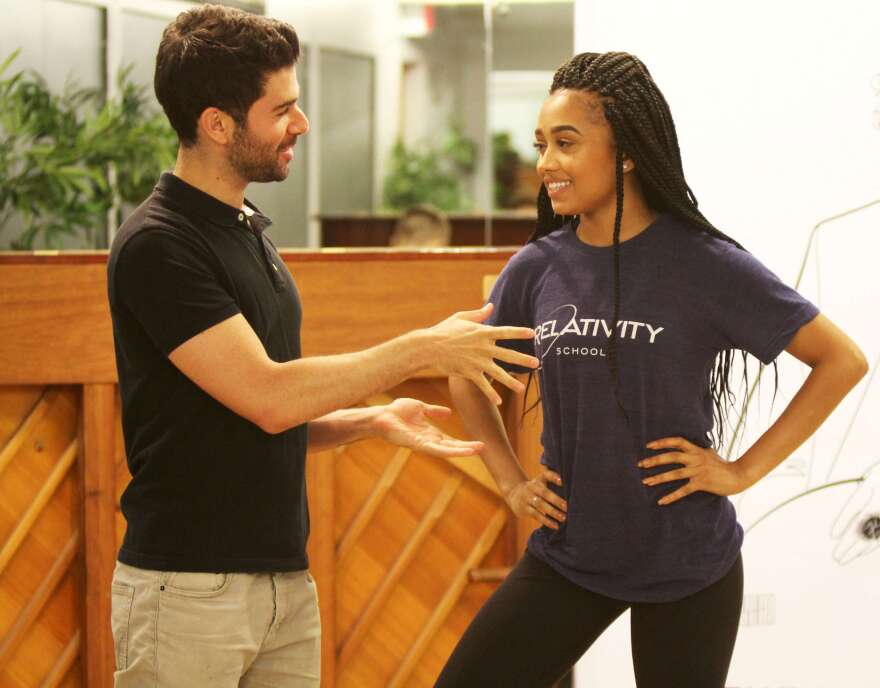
x: 563, y: 143
x: 538, y: 146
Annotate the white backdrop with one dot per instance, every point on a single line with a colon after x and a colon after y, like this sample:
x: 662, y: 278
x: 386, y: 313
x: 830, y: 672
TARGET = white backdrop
x: 774, y: 105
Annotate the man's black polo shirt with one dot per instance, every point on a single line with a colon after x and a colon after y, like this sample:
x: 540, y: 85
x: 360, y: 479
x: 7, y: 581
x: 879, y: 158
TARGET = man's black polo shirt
x: 210, y: 491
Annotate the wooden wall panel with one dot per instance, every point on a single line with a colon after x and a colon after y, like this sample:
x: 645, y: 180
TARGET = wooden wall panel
x: 39, y: 537
x: 358, y: 304
x: 396, y: 537
x: 352, y: 300
x: 62, y: 304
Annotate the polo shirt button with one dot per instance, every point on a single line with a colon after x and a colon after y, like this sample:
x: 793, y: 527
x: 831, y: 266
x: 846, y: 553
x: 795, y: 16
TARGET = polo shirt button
x: 240, y: 217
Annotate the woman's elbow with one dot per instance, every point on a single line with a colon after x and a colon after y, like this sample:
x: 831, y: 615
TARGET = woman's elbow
x: 861, y: 364
x: 852, y: 365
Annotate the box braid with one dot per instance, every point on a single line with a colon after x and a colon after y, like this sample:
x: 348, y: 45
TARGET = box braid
x: 643, y: 130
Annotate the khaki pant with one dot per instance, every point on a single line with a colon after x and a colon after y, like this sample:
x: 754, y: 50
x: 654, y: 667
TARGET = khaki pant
x: 220, y: 630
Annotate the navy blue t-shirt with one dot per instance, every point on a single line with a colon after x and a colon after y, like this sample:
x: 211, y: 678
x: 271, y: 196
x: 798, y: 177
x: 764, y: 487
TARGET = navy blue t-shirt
x: 685, y: 296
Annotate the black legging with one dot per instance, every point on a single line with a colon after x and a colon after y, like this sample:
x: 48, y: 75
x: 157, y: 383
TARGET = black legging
x: 538, y: 624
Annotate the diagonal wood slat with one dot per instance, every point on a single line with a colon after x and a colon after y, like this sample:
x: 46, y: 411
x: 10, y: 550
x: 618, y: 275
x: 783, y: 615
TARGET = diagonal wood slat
x: 63, y: 663
x: 431, y: 516
x: 35, y: 605
x: 368, y: 510
x: 490, y: 575
x: 36, y: 414
x: 452, y: 595
x: 40, y: 501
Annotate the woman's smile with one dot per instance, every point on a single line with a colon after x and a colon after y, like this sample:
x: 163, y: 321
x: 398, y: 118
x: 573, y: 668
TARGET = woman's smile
x: 556, y: 189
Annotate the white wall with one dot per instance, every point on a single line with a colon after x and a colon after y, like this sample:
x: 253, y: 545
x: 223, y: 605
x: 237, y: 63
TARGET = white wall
x: 773, y: 105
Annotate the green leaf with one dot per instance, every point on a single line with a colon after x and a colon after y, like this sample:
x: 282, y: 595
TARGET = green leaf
x: 9, y: 60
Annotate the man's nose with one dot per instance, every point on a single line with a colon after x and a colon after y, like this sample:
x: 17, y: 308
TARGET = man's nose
x: 300, y: 125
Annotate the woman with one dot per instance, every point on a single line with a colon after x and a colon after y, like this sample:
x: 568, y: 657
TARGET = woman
x: 639, y: 304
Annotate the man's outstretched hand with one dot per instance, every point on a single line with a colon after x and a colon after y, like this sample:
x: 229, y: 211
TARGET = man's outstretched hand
x: 464, y: 347
x: 406, y: 423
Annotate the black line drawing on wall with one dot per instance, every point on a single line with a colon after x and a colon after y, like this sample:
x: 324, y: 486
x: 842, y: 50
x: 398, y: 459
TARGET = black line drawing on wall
x: 856, y: 527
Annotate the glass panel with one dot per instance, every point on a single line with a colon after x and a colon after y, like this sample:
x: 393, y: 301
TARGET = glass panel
x: 74, y: 44
x: 443, y: 111
x: 141, y: 35
x: 530, y: 40
x: 26, y: 32
x: 401, y: 119
x: 346, y: 132
x: 64, y: 42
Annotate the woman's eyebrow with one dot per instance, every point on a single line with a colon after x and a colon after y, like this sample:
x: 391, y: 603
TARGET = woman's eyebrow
x: 558, y: 128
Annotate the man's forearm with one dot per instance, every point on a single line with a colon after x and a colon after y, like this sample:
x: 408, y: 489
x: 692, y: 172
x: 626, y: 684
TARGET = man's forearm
x: 309, y: 388
x: 341, y: 427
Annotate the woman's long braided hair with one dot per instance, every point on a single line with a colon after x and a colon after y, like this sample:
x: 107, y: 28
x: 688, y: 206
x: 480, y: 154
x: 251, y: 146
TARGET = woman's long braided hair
x: 643, y: 130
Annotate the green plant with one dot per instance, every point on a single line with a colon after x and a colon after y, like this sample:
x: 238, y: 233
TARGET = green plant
x: 56, y: 153
x: 506, y: 163
x: 422, y: 174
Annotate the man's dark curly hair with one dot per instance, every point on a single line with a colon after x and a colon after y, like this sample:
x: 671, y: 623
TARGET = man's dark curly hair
x: 214, y: 56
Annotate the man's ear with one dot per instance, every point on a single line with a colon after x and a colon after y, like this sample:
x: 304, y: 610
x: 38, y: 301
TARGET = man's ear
x: 217, y: 126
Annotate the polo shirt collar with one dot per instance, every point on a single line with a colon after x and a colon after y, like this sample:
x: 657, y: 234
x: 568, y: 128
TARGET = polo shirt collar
x: 204, y: 205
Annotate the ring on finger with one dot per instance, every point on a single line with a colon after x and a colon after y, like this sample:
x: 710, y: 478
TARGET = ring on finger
x: 535, y: 501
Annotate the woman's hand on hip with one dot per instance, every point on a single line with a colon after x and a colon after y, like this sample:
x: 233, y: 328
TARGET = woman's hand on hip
x: 703, y: 468
x: 534, y: 499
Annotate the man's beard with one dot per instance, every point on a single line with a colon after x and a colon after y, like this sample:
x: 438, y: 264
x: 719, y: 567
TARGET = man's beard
x: 254, y: 161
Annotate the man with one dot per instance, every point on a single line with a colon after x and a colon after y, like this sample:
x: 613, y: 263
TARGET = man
x: 422, y: 226
x: 212, y: 585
